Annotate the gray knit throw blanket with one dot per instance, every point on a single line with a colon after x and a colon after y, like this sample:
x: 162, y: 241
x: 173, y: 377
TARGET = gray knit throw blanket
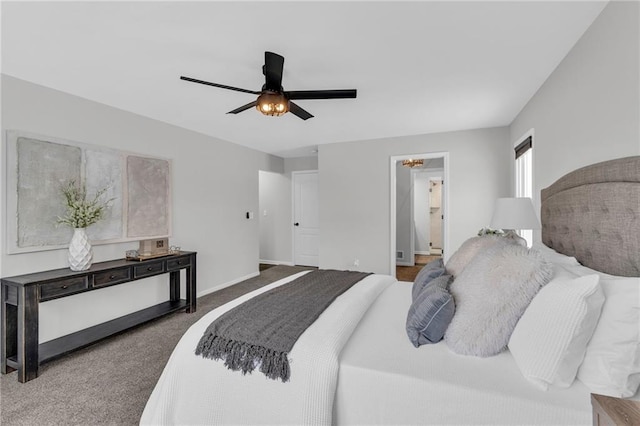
x: 262, y: 330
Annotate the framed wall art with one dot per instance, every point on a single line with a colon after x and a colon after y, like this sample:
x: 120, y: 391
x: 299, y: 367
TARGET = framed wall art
x: 39, y: 166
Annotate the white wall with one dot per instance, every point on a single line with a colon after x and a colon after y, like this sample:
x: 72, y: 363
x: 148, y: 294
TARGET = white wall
x: 355, y: 190
x: 276, y: 229
x: 588, y: 110
x: 214, y: 184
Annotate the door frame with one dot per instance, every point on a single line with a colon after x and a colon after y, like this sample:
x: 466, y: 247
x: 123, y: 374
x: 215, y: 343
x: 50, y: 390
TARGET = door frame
x: 392, y: 203
x: 293, y: 211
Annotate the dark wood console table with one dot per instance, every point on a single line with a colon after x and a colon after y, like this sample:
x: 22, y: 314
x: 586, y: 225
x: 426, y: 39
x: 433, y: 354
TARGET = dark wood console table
x: 21, y: 295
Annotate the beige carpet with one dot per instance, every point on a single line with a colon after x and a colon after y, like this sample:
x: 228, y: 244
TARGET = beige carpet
x: 110, y: 381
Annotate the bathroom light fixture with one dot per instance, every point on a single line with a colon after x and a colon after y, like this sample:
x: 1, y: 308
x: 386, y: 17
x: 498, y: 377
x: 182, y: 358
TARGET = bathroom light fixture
x: 413, y: 162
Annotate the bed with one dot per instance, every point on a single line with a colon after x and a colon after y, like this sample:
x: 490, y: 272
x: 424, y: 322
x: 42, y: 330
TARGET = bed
x: 355, y: 365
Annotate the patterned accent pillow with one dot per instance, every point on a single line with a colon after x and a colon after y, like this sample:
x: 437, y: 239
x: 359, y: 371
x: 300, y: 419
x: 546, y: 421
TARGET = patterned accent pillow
x: 491, y: 294
x: 430, y: 271
x: 431, y: 312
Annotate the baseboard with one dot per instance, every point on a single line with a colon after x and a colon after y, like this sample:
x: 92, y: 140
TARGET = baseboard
x: 275, y: 262
x: 228, y: 284
x: 405, y: 263
x: 424, y: 253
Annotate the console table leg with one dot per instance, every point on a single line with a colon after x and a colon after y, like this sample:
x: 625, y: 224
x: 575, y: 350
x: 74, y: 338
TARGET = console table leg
x: 174, y: 286
x: 28, y: 362
x: 191, y: 285
x: 9, y: 330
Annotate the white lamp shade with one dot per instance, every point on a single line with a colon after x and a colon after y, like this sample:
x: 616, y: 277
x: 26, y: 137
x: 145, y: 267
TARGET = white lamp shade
x: 514, y: 213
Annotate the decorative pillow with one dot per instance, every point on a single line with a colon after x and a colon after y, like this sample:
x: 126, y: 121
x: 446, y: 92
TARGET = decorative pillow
x: 491, y: 294
x: 430, y: 271
x: 470, y: 248
x: 611, y: 364
x: 431, y: 312
x: 550, y: 340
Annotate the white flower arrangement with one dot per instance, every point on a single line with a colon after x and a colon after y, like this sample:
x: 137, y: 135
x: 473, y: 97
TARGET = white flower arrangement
x: 489, y: 231
x: 82, y: 212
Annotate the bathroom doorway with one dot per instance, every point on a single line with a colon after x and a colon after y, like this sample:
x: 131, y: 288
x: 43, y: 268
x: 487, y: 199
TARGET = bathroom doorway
x: 418, y: 212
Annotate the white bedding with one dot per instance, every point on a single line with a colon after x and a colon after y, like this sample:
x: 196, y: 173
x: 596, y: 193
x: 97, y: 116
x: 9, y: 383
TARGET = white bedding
x: 355, y: 365
x: 194, y: 390
x: 385, y: 380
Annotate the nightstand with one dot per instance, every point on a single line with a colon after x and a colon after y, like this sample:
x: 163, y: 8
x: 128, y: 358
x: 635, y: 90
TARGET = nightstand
x: 614, y: 411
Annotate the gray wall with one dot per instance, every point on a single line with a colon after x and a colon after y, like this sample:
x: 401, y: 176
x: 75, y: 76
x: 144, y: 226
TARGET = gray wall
x: 298, y: 164
x: 404, y: 205
x: 214, y: 184
x: 588, y: 110
x: 354, y: 191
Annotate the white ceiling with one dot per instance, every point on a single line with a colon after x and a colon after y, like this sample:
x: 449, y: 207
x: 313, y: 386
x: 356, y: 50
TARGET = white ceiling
x: 419, y: 67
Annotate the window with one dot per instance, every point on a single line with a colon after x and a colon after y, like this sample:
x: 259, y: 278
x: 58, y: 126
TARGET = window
x: 524, y: 177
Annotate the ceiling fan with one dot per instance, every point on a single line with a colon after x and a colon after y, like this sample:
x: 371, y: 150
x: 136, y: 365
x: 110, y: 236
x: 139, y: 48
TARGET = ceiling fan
x: 273, y: 99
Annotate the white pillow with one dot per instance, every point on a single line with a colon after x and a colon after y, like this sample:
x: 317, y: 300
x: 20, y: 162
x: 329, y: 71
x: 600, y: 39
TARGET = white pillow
x: 611, y: 364
x: 549, y: 342
x: 553, y: 256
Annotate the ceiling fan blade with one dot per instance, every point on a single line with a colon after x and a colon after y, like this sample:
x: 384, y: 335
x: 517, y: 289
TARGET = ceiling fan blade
x: 272, y: 70
x: 244, y: 107
x: 299, y: 112
x: 321, y: 94
x: 222, y: 86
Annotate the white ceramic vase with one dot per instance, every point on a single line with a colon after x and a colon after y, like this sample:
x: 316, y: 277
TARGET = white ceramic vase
x: 80, y: 252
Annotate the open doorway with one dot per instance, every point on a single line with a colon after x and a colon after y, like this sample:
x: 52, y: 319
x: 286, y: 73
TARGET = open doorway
x: 428, y: 210
x: 418, y: 212
x: 274, y: 219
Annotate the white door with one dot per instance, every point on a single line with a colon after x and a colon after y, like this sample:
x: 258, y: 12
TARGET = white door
x: 305, y: 218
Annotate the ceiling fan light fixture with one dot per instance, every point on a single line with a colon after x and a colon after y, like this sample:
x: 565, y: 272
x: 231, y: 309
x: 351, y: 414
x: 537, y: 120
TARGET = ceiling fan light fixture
x: 272, y: 99
x: 272, y: 103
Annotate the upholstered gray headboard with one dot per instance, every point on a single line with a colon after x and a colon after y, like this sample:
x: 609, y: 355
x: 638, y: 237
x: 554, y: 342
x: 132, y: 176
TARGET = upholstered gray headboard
x: 593, y: 214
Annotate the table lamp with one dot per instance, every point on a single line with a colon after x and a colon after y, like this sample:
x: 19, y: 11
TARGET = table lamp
x: 511, y: 214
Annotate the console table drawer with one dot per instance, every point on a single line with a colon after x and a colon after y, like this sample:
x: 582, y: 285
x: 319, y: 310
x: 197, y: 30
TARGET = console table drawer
x: 178, y: 263
x: 61, y: 288
x: 114, y: 276
x: 148, y: 269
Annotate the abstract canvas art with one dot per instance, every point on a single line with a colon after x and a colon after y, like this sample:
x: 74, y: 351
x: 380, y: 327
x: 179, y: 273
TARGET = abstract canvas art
x: 147, y: 212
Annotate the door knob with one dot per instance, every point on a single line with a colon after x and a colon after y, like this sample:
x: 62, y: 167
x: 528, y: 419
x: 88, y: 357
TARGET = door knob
x: 296, y: 224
